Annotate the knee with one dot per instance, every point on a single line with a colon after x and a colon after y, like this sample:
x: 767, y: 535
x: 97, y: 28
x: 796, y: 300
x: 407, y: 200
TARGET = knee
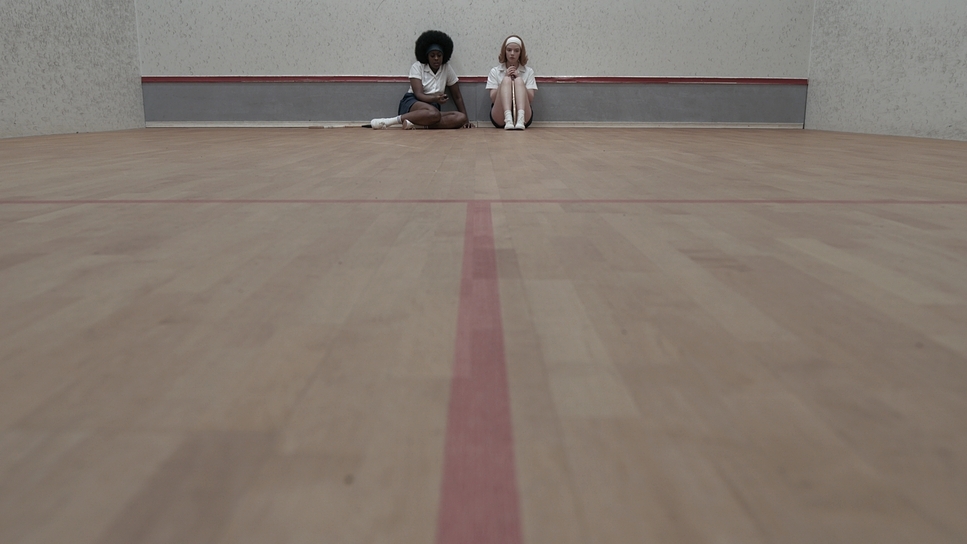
x: 434, y: 116
x: 462, y: 117
x: 507, y: 82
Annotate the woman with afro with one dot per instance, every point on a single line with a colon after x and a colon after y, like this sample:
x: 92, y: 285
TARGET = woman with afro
x: 430, y: 77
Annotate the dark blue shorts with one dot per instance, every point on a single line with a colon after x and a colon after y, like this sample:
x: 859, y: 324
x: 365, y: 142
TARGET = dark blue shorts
x: 407, y: 102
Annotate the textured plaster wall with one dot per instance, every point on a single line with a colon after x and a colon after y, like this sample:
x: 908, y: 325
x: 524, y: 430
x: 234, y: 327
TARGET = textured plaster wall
x: 68, y: 66
x: 885, y: 66
x: 728, y: 38
x: 889, y: 67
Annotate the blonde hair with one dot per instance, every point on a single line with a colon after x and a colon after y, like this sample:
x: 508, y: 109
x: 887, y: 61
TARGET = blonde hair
x: 503, y: 51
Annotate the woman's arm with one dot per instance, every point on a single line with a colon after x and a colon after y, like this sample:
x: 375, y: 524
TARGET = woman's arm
x: 458, y: 101
x: 458, y: 98
x: 417, y: 84
x: 530, y: 80
x: 493, y: 83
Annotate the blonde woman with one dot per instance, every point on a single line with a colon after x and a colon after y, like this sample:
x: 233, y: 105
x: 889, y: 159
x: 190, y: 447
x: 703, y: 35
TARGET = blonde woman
x: 512, y: 86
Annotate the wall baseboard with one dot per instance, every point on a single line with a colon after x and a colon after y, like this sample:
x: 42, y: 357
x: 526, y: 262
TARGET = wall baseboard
x: 571, y: 124
x: 536, y: 124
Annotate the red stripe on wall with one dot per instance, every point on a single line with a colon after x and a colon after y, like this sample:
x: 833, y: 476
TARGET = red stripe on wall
x: 478, y: 498
x: 665, y: 201
x: 480, y: 79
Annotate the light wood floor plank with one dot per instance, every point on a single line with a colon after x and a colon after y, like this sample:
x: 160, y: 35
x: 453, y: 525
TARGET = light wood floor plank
x: 248, y: 335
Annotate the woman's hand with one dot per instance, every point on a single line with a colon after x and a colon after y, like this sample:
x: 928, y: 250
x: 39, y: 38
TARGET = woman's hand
x: 440, y: 98
x: 512, y: 72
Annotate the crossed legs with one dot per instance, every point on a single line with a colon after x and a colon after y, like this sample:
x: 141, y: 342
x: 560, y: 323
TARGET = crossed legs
x: 426, y: 115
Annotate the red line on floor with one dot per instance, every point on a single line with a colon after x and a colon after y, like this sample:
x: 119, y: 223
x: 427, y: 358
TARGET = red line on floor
x: 641, y: 80
x: 478, y: 498
x: 493, y: 201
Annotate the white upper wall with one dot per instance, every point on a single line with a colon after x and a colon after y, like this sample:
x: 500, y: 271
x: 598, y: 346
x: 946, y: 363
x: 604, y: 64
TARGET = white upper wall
x: 886, y: 67
x: 889, y: 67
x: 724, y: 38
x: 68, y: 66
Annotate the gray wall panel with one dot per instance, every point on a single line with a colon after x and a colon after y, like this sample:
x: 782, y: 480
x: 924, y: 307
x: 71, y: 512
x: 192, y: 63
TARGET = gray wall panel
x: 282, y: 102
x: 557, y: 102
x: 671, y: 103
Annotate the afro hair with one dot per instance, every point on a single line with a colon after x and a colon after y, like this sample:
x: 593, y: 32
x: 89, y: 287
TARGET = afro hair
x: 431, y: 37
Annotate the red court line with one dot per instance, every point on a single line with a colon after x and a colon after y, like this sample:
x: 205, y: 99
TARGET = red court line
x: 640, y: 80
x: 275, y: 79
x: 478, y: 498
x: 486, y: 201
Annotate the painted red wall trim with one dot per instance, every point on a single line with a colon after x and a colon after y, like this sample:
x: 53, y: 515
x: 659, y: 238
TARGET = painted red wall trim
x: 480, y: 79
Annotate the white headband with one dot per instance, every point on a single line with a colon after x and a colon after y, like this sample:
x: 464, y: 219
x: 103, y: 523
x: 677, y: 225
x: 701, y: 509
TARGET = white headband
x: 514, y: 39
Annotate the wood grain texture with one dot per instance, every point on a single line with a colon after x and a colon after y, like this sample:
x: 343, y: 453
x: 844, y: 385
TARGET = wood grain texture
x: 239, y: 335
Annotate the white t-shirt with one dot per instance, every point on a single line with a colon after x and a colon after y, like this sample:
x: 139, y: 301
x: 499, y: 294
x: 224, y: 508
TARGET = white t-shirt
x: 524, y: 72
x: 433, y: 83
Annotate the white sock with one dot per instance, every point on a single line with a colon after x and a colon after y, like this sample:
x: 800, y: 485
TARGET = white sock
x: 520, y: 118
x: 508, y: 118
x: 380, y: 122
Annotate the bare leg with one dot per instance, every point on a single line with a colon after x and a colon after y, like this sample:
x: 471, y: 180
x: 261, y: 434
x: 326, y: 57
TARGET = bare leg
x: 502, y: 102
x: 422, y: 114
x: 425, y: 115
x: 523, y: 102
x: 451, y: 119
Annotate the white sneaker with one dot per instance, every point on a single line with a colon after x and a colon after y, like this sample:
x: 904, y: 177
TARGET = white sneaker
x: 509, y: 125
x: 520, y: 125
x: 379, y: 123
x: 408, y: 125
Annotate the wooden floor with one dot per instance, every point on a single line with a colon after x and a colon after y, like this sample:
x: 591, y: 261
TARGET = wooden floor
x: 547, y: 337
